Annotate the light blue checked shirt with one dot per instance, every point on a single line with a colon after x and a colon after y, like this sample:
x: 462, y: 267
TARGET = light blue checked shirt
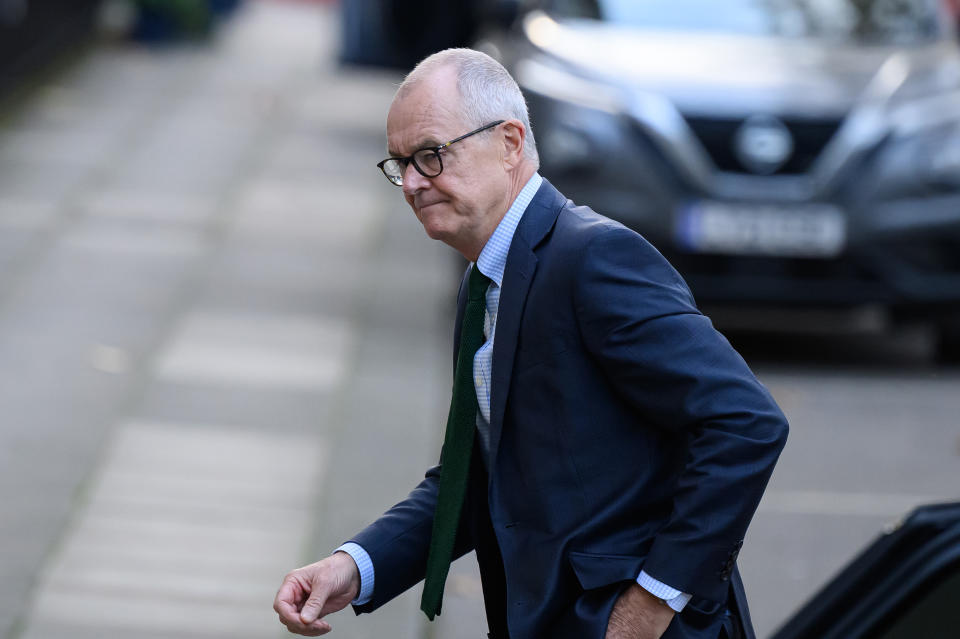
x: 492, y: 262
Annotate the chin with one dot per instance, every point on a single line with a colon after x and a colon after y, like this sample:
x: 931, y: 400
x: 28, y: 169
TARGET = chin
x: 436, y: 233
x: 433, y: 225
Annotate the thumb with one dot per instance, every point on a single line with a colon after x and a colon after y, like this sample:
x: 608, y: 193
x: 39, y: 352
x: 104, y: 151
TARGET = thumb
x: 313, y: 606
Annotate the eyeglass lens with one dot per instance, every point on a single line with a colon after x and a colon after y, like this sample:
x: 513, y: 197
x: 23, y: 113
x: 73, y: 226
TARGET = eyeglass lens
x: 426, y: 161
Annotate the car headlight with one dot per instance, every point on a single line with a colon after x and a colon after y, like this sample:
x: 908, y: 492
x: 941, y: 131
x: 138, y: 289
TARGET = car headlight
x: 923, y: 114
x: 925, y: 133
x: 654, y: 113
x: 912, y: 165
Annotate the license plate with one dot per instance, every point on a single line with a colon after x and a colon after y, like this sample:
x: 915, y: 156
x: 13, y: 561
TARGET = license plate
x: 808, y: 230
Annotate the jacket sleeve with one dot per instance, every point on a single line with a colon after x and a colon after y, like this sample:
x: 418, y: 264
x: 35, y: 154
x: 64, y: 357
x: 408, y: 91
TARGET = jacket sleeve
x: 398, y: 542
x: 639, y: 322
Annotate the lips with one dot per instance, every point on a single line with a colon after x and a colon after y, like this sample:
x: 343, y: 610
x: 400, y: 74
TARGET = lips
x: 421, y: 206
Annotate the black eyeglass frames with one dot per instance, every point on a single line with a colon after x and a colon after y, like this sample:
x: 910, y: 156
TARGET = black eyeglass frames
x: 428, y: 162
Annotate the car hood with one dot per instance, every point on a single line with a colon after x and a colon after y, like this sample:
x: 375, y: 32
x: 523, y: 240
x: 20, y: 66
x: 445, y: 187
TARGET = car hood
x: 722, y: 74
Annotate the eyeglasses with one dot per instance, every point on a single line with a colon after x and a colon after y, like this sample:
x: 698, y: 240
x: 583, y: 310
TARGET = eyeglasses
x: 428, y: 162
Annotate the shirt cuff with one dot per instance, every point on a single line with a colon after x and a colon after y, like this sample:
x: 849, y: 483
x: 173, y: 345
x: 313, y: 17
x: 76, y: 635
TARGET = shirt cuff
x: 671, y: 596
x: 365, y: 566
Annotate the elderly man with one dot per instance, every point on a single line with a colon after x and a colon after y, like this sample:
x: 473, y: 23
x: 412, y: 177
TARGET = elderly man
x: 605, y: 447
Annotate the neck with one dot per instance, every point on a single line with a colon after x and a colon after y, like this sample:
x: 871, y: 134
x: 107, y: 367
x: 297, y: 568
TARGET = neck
x: 517, y: 180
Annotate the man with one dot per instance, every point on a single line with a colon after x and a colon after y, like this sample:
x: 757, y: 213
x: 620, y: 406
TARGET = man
x: 606, y: 447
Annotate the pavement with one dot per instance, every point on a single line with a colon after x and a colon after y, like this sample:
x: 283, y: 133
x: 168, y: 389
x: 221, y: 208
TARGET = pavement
x: 223, y: 338
x: 225, y: 347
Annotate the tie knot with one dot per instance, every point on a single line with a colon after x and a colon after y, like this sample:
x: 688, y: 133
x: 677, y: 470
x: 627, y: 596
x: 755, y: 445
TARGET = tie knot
x: 478, y: 284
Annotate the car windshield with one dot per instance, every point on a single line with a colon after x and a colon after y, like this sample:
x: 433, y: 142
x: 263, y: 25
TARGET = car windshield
x: 875, y: 21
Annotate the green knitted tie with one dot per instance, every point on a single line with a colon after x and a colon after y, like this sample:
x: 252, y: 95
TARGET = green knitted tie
x: 457, y: 446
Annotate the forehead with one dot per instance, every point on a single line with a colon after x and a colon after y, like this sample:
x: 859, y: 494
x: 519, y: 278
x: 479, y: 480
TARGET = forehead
x: 428, y: 114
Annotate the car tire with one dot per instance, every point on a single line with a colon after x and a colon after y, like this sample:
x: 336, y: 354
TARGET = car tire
x: 948, y: 340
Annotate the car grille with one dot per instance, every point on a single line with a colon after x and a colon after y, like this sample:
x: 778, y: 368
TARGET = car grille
x: 717, y: 135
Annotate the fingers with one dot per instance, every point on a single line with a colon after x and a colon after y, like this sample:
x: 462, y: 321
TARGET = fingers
x: 289, y: 606
x: 287, y: 602
x: 309, y: 593
x: 312, y: 608
x: 315, y: 629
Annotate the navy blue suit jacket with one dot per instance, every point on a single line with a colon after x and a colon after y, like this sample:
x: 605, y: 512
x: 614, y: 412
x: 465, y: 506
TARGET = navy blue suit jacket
x: 626, y: 433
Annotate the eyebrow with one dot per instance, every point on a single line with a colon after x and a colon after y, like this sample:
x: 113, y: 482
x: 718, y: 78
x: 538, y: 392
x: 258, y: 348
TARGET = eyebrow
x: 429, y: 143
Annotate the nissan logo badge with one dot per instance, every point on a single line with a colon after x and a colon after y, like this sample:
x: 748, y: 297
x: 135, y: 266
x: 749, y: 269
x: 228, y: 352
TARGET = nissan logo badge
x: 763, y: 144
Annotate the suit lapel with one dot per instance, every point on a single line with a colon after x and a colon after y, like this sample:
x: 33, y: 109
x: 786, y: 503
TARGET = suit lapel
x: 537, y: 220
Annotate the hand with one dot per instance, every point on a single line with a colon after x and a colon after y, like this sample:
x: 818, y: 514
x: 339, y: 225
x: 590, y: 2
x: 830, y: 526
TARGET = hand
x: 308, y: 594
x: 637, y: 614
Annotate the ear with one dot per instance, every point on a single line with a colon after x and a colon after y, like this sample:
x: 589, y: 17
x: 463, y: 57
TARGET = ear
x: 514, y: 135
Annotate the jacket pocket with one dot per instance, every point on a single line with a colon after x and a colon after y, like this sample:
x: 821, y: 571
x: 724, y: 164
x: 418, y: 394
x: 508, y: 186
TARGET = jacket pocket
x: 595, y: 570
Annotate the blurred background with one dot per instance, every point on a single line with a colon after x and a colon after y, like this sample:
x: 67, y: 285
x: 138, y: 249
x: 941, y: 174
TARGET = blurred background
x: 210, y: 299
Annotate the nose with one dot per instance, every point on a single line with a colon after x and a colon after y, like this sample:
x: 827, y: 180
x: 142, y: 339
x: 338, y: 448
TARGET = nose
x: 413, y: 181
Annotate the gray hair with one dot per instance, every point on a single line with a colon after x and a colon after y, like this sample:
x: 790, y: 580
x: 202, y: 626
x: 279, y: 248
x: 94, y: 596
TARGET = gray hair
x: 487, y: 90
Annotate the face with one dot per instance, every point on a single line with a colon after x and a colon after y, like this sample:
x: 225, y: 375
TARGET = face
x: 462, y: 205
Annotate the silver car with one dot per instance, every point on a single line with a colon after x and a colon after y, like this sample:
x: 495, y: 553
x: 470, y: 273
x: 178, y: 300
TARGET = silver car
x: 787, y: 153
